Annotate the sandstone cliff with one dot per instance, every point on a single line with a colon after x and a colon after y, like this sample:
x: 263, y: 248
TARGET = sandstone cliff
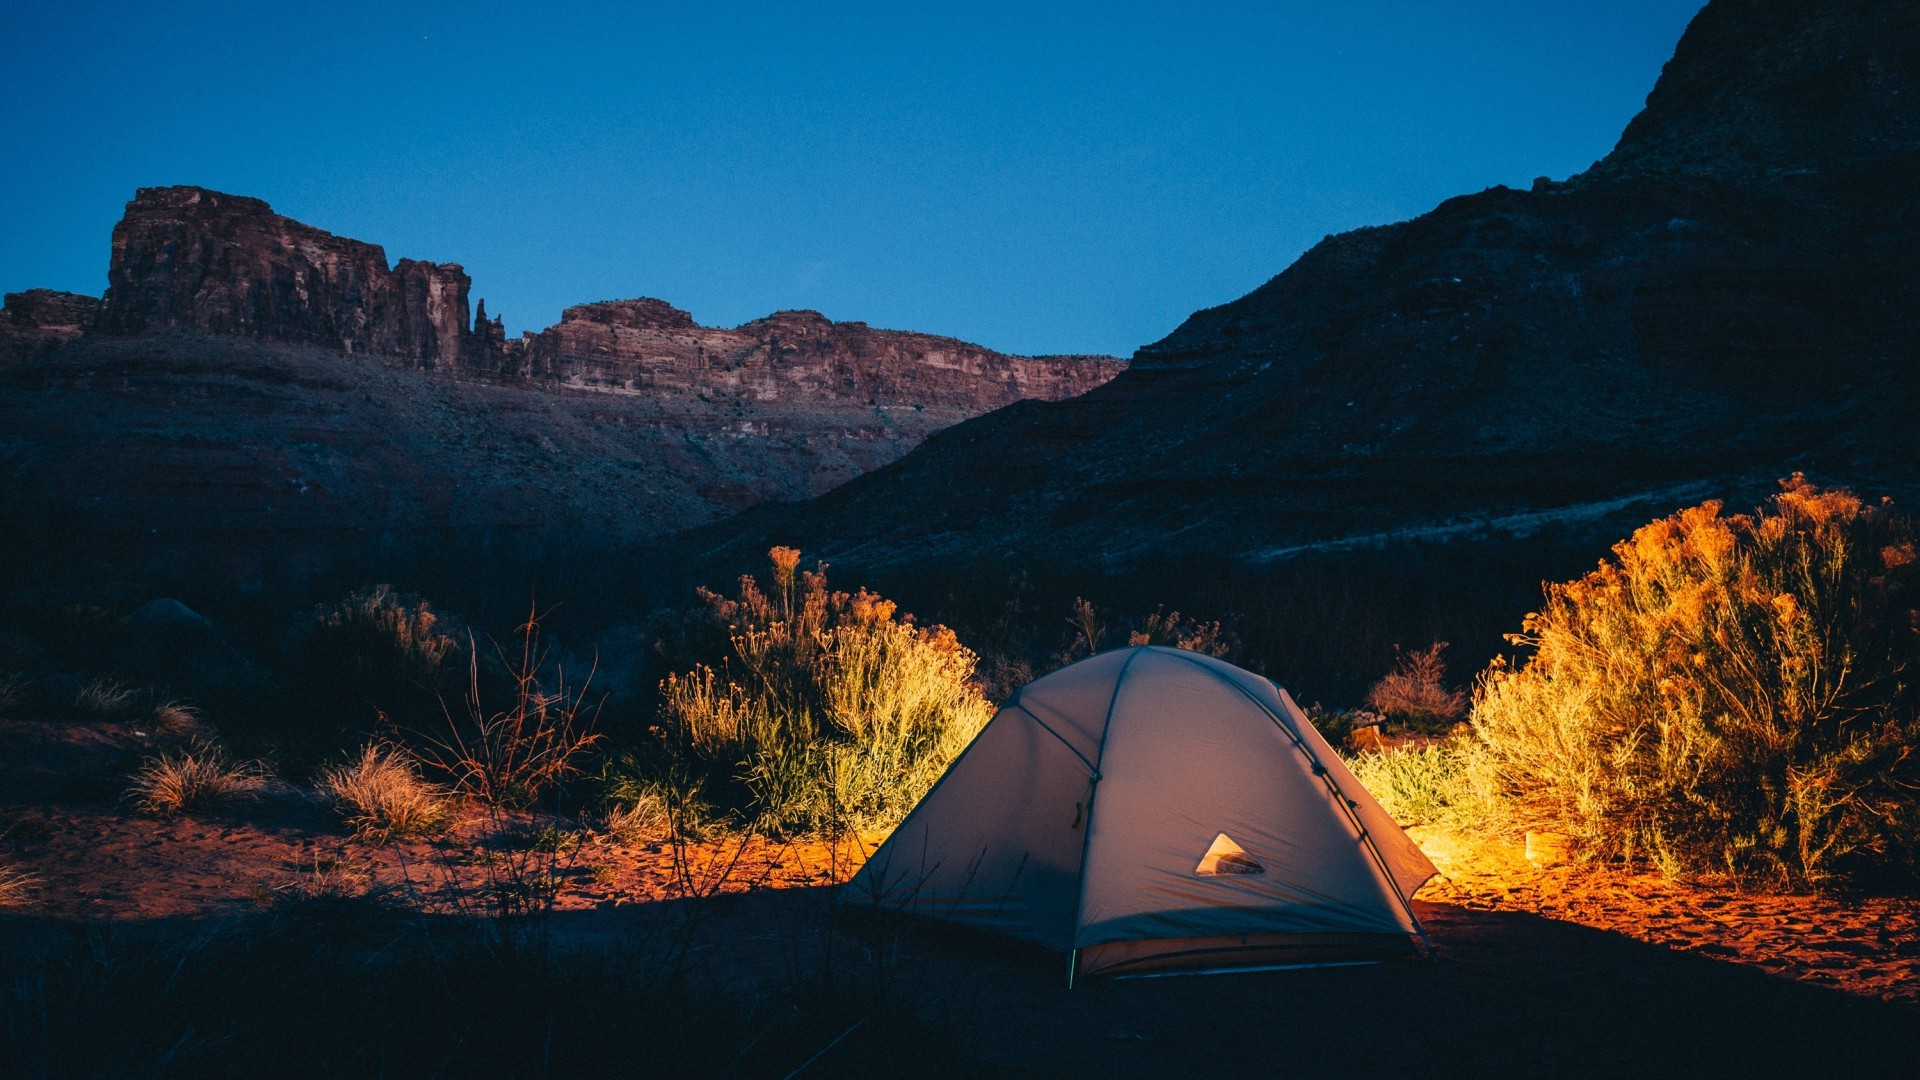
x: 225, y: 264
x: 648, y: 346
x: 251, y: 382
x: 186, y: 256
x: 38, y: 320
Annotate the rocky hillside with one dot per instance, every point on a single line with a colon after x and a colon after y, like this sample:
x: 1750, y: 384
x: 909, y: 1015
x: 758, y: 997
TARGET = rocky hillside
x: 1730, y: 295
x: 252, y: 382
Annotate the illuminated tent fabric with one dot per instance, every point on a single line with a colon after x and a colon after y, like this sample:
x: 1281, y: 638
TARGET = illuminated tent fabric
x: 1153, y: 807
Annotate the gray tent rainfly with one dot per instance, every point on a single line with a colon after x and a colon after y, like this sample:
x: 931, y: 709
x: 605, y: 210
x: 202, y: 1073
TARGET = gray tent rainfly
x: 1153, y: 808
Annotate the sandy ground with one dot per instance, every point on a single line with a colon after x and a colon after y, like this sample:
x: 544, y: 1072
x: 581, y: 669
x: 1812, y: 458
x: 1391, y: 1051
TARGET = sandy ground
x: 1556, y: 969
x: 1868, y: 946
x: 99, y: 862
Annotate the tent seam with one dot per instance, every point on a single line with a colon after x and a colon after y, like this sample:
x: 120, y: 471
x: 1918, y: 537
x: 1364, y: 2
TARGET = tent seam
x: 1326, y: 781
x: 1086, y: 841
x: 1028, y: 713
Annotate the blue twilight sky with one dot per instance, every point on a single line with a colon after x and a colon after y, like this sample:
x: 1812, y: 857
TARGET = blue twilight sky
x: 1033, y: 177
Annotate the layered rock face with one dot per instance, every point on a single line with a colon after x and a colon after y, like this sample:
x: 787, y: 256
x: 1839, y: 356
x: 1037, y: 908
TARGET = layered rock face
x: 648, y: 346
x: 1732, y: 295
x: 38, y: 320
x: 226, y: 264
x: 253, y: 384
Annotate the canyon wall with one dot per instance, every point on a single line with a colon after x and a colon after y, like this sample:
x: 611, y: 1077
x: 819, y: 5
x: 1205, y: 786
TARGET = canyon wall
x: 228, y: 265
x: 38, y: 320
x: 649, y: 346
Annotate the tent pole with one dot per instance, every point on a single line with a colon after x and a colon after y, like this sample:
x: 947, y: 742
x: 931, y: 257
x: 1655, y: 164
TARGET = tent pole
x: 1093, y: 784
x: 1326, y: 780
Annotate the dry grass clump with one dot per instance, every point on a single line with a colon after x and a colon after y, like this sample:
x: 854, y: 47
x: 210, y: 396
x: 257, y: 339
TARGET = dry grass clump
x: 174, y: 718
x: 14, y: 691
x: 196, y: 777
x: 1728, y: 694
x: 381, y: 796
x: 104, y: 697
x: 511, y: 756
x: 830, y: 710
x: 1416, y: 692
x: 644, y: 819
x: 16, y: 887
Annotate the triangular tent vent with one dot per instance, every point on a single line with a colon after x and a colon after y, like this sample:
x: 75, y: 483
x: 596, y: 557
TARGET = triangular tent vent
x: 1226, y: 857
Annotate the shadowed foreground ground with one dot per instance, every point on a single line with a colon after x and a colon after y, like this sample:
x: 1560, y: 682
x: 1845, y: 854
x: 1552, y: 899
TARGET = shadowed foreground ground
x: 1506, y: 993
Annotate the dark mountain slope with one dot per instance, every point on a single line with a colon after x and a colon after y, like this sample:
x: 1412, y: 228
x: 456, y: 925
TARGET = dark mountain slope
x: 1728, y: 296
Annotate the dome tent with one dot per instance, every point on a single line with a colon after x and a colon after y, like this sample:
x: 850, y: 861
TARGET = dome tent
x: 1148, y: 808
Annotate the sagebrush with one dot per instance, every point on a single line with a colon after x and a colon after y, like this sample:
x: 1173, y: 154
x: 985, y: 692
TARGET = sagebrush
x: 830, y: 710
x: 1728, y: 694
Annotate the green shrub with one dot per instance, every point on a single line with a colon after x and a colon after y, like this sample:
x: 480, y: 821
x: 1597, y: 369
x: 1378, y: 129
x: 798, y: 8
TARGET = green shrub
x: 829, y: 711
x: 1728, y: 694
x: 658, y: 796
x: 1423, y: 785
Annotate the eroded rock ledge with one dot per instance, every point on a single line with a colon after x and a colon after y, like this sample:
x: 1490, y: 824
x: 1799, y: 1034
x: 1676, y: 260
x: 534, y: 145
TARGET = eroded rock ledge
x: 227, y: 264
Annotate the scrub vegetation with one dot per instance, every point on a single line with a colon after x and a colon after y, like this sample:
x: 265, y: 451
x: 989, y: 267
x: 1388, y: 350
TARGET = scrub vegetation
x: 199, y: 776
x: 1729, y: 694
x: 826, y: 710
x: 1416, y: 693
x: 1424, y: 784
x: 380, y: 795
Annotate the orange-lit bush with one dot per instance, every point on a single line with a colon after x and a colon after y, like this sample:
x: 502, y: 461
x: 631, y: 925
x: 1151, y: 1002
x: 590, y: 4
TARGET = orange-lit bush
x: 1416, y: 691
x: 835, y: 710
x: 1728, y: 694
